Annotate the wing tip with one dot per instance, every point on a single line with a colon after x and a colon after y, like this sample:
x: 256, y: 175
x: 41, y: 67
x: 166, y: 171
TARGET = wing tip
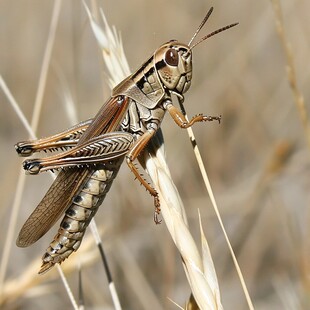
x: 22, y: 242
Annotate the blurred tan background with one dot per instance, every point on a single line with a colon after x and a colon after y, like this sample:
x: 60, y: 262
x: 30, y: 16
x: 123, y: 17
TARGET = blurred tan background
x: 257, y: 159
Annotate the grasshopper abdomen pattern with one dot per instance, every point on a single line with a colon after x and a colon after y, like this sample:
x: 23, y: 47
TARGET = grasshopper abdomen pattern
x: 77, y: 217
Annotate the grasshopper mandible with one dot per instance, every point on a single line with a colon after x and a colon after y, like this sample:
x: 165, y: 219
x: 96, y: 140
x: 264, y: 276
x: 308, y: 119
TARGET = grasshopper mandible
x: 121, y: 130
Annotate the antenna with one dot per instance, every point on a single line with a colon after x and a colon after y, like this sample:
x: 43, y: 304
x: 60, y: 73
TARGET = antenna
x: 201, y: 25
x: 210, y: 34
x: 214, y: 33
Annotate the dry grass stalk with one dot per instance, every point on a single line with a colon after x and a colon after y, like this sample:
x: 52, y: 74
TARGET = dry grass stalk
x: 214, y: 204
x: 31, y: 129
x: 29, y: 281
x: 290, y: 70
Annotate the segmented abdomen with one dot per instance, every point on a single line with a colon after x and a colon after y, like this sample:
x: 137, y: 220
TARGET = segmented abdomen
x: 79, y: 214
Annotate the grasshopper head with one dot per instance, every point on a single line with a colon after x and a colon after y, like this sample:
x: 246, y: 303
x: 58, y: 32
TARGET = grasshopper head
x: 173, y: 62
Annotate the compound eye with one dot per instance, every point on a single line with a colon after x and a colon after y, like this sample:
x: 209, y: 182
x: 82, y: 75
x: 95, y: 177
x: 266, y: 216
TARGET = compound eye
x: 172, y: 57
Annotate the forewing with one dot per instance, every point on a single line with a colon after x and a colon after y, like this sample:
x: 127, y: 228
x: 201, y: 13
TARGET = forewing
x: 52, y: 206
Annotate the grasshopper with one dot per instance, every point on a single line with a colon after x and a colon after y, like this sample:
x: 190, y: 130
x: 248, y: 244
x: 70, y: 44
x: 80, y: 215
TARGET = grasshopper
x: 120, y: 131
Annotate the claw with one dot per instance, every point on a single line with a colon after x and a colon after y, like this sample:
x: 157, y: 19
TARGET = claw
x: 156, y: 220
x: 213, y: 118
x: 157, y: 210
